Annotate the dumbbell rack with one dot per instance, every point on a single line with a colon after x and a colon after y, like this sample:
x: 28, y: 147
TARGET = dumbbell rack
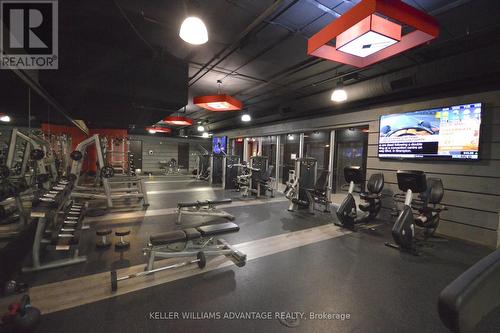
x: 11, y: 207
x: 53, y: 207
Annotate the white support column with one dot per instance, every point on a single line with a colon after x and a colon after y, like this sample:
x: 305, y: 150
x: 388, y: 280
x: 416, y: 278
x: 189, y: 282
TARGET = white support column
x: 301, y: 145
x: 245, y: 149
x: 278, y: 164
x: 331, y: 163
x: 260, y: 146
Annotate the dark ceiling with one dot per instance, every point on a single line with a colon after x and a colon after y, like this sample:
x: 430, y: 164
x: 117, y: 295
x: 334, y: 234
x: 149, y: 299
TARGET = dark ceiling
x: 122, y: 62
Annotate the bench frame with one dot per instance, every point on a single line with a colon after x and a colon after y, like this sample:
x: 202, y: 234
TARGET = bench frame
x: 210, y: 246
x: 203, y: 208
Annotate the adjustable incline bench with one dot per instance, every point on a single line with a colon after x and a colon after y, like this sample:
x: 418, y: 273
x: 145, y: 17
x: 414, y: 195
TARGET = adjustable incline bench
x: 203, y: 208
x: 192, y: 242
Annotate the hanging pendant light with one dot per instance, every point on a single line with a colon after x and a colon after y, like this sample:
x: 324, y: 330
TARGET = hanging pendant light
x: 372, y: 31
x: 339, y: 94
x: 178, y: 121
x: 193, y: 31
x: 218, y: 103
x: 158, y: 129
x: 4, y: 118
x: 246, y: 117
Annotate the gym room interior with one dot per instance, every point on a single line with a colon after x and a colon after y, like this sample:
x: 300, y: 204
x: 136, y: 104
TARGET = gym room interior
x: 250, y: 166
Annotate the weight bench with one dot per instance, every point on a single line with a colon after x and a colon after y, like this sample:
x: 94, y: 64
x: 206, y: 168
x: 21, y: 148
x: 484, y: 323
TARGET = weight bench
x: 203, y: 208
x: 188, y: 242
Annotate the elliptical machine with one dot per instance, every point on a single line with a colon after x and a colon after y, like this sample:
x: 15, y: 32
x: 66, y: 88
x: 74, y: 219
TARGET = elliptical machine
x: 428, y: 205
x: 347, y: 212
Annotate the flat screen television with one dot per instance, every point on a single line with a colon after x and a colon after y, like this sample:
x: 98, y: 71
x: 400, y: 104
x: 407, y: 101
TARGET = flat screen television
x: 219, y: 144
x: 447, y: 133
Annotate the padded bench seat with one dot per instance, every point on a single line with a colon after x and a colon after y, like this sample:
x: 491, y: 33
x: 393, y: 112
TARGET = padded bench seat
x: 218, y: 229
x: 204, y: 203
x: 192, y: 233
x: 168, y: 237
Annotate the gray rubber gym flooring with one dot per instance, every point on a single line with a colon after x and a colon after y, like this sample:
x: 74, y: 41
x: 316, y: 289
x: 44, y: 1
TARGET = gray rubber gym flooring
x: 381, y: 289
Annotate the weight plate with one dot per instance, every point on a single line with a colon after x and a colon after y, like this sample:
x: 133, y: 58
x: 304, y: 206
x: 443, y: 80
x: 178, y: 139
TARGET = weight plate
x: 114, y: 281
x: 37, y: 154
x: 202, y: 260
x: 107, y: 172
x: 76, y: 155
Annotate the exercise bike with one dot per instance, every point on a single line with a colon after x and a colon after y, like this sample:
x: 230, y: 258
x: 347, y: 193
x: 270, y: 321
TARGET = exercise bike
x: 431, y: 192
x: 347, y: 212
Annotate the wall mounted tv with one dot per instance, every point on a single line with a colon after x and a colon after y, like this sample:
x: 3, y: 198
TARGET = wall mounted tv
x: 448, y: 133
x: 219, y: 144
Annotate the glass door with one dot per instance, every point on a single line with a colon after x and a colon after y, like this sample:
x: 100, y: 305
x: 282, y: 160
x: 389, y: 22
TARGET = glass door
x: 290, y: 146
x: 317, y: 145
x: 351, y: 150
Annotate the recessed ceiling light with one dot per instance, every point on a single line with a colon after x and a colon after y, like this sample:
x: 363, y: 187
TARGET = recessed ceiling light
x: 201, y: 128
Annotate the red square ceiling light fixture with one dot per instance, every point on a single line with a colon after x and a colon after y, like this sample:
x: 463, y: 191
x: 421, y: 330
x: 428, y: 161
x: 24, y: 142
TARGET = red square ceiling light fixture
x: 219, y: 102
x: 158, y: 129
x: 178, y: 121
x: 216, y: 103
x: 367, y: 33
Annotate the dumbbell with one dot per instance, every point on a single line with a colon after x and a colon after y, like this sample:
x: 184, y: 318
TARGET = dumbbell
x: 122, y: 243
x: 103, y: 241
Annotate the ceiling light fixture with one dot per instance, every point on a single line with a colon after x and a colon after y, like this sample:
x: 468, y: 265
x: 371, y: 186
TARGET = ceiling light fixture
x: 205, y: 135
x: 200, y: 128
x: 368, y: 33
x: 5, y: 118
x: 339, y: 94
x: 193, y: 31
x: 219, y: 102
x: 158, y: 129
x: 178, y: 121
x: 246, y: 117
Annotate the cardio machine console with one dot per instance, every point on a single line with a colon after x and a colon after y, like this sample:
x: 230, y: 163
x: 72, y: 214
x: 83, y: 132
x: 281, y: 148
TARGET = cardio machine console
x: 353, y: 174
x: 413, y: 180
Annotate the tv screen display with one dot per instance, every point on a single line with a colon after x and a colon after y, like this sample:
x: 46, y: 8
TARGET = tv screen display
x: 219, y: 144
x: 448, y: 133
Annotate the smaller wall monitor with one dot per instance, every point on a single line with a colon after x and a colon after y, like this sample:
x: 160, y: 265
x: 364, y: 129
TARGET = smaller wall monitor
x: 448, y: 133
x: 219, y: 144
